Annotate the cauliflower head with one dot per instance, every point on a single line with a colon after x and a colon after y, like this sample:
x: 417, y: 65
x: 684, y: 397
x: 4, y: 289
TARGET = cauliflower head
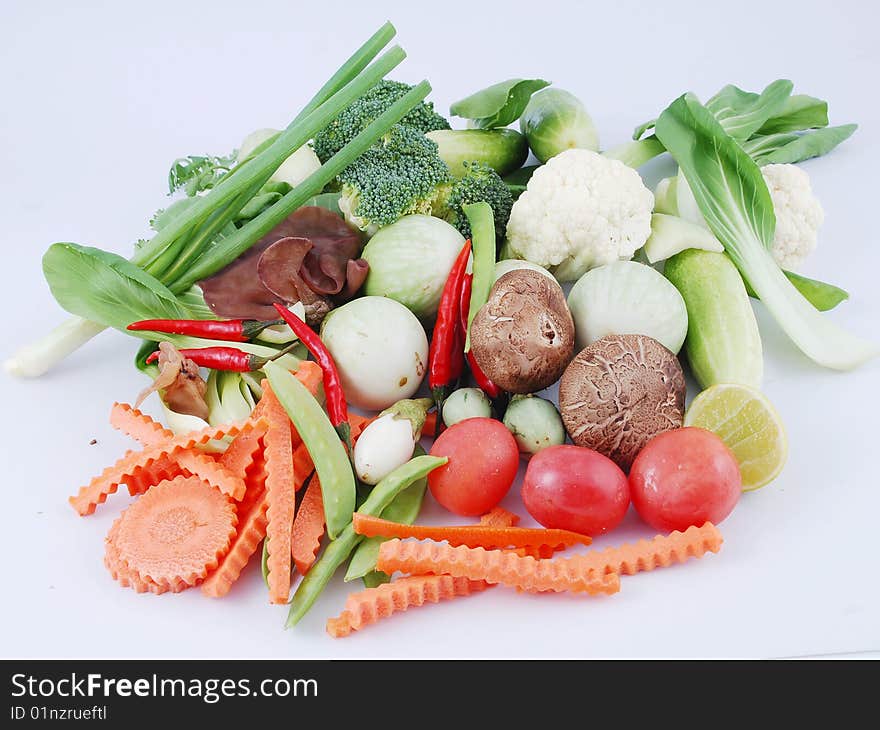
x: 798, y: 214
x: 579, y: 211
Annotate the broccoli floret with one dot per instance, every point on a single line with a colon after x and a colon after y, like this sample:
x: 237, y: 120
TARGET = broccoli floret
x: 480, y: 183
x: 360, y: 113
x: 400, y: 175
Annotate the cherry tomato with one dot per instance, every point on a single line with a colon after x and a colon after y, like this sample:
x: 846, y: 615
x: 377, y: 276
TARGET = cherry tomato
x: 574, y: 488
x: 684, y: 477
x: 483, y: 461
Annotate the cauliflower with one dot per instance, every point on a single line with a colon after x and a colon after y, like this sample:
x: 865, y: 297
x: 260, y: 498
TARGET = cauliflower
x: 798, y: 214
x: 579, y: 211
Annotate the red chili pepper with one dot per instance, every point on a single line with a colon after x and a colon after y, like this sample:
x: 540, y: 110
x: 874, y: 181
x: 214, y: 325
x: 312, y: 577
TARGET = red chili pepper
x: 226, y: 358
x: 337, y: 408
x: 483, y: 382
x: 220, y: 358
x: 229, y: 330
x: 445, y: 357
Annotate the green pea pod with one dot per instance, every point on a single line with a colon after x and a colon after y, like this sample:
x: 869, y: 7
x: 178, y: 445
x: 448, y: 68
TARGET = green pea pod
x: 404, y: 509
x: 331, y: 460
x: 264, y: 562
x: 337, y: 552
x: 482, y: 222
x: 376, y: 578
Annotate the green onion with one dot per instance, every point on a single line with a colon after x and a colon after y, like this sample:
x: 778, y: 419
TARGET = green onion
x: 231, y: 247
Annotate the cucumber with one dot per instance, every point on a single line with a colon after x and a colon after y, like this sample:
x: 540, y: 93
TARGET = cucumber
x: 723, y: 344
x: 504, y: 150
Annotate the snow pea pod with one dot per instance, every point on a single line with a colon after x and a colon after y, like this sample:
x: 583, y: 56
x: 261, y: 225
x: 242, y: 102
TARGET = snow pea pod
x: 337, y: 552
x: 331, y: 460
x: 404, y: 509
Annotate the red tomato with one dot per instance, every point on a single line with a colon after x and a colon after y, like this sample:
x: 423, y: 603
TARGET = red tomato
x: 684, y: 477
x: 577, y: 489
x: 483, y: 461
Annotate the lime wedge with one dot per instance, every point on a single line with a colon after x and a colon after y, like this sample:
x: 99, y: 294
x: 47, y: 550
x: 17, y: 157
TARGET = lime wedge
x: 750, y: 426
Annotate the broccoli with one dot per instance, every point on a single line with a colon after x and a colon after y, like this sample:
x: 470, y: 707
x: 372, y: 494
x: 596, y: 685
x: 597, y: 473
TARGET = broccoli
x: 360, y: 113
x: 400, y: 175
x: 479, y: 183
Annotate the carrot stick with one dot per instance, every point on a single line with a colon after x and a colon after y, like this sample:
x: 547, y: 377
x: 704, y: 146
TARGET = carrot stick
x: 310, y: 375
x: 308, y: 527
x: 493, y: 566
x: 175, y: 533
x: 369, y: 606
x: 660, y: 551
x: 279, y: 496
x: 108, y: 481
x: 303, y: 466
x: 142, y: 478
x: 471, y: 535
x: 213, y: 472
x: 366, y: 607
x: 252, y: 521
x: 137, y: 425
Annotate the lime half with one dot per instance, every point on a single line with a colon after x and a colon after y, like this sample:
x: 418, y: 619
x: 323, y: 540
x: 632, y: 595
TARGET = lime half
x: 750, y: 426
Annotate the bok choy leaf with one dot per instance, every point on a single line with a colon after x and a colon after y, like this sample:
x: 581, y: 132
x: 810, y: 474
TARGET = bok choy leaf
x: 733, y: 198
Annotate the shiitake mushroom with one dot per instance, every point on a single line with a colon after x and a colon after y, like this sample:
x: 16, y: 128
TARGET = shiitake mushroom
x: 523, y: 337
x: 620, y: 392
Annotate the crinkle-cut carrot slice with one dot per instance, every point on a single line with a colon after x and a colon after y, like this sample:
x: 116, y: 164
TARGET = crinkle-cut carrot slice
x: 303, y: 466
x: 493, y: 566
x: 138, y: 425
x: 128, y: 578
x: 108, y: 481
x: 252, y: 521
x: 373, y: 604
x: 142, y: 478
x: 176, y: 532
x: 279, y: 496
x: 499, y: 517
x: 308, y: 527
x: 208, y: 469
x: 483, y: 536
x: 659, y: 552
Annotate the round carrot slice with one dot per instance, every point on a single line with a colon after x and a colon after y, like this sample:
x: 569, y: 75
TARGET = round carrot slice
x: 174, y: 534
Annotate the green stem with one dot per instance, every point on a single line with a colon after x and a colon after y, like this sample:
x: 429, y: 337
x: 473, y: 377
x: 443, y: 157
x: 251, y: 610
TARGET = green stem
x: 261, y: 167
x: 636, y: 154
x: 230, y: 248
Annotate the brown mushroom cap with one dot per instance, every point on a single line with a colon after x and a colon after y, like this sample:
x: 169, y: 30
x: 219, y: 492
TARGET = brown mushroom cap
x: 619, y: 393
x: 523, y: 337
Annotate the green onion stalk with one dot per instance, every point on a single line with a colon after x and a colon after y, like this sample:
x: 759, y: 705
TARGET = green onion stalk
x: 186, y: 250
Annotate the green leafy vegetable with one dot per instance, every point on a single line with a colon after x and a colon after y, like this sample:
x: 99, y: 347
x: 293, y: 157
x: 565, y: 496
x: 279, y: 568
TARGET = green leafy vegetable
x: 733, y: 198
x: 518, y: 180
x: 764, y: 124
x: 799, y: 112
x: 742, y: 113
x: 784, y: 147
x: 105, y: 288
x: 821, y: 295
x: 196, y: 173
x: 498, y: 105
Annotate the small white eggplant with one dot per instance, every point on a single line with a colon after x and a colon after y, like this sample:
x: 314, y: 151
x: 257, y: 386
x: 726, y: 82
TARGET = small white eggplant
x: 388, y: 442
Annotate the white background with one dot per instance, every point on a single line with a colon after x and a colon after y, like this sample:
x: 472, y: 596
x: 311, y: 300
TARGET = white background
x: 98, y: 99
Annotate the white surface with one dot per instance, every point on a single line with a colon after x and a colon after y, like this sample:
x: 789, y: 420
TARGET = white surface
x: 97, y: 101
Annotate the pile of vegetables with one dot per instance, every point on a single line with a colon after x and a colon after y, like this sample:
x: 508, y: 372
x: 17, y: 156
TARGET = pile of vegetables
x: 407, y: 258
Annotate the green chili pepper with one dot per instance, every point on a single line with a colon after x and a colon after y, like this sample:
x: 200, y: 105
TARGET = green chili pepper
x: 332, y: 464
x: 404, y: 509
x: 482, y: 222
x: 337, y: 552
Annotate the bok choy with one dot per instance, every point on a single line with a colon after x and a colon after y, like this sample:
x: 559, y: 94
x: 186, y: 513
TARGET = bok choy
x: 733, y: 198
